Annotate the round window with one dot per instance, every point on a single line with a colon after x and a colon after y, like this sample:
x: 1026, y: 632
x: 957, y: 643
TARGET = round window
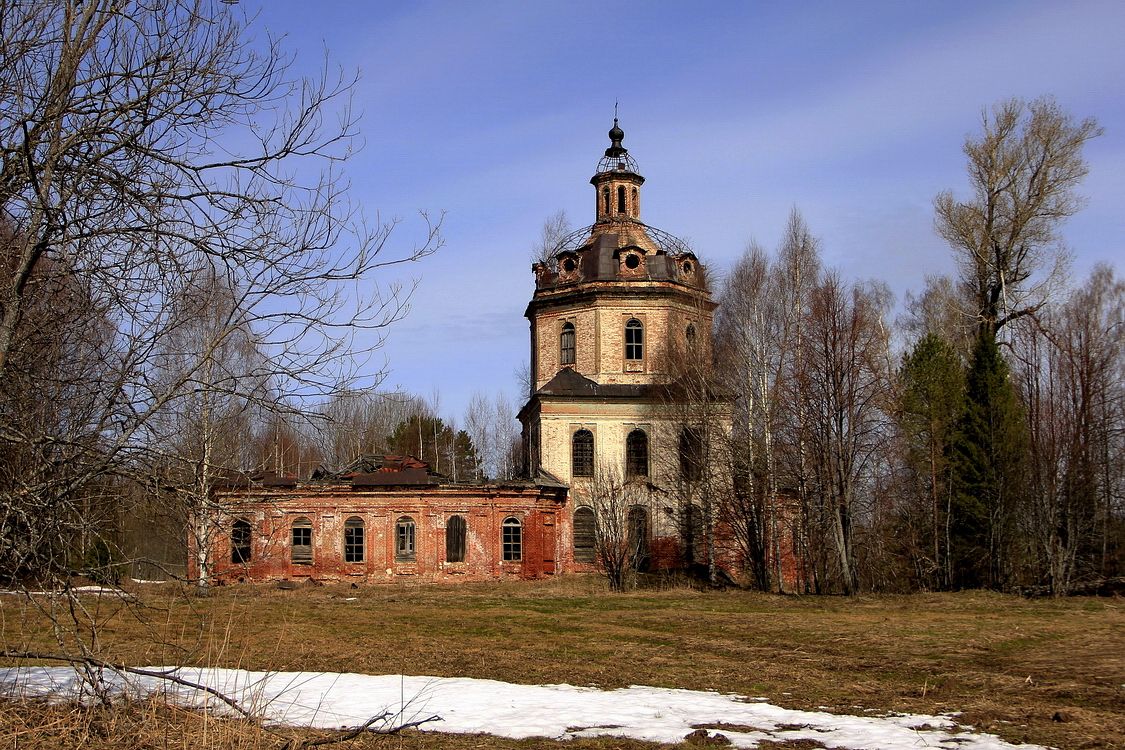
x: 632, y: 261
x: 687, y: 267
x: 569, y: 265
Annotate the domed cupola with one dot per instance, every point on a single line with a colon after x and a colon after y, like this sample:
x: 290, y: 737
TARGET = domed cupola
x: 617, y: 185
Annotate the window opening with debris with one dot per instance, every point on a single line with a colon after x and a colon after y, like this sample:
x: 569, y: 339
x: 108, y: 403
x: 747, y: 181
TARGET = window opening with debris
x: 455, y: 534
x: 301, y: 551
x: 240, y: 548
x: 584, y: 535
x: 636, y: 454
x: 404, y: 539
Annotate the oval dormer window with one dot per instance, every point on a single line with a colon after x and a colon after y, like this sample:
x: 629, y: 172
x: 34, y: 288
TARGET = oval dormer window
x: 632, y: 261
x: 688, y: 268
x: 569, y: 265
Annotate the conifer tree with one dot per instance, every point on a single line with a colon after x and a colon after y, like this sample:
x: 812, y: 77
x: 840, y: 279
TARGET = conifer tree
x: 933, y: 385
x: 987, y: 456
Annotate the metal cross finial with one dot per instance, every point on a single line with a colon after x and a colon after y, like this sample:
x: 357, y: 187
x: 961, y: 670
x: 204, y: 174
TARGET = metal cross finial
x: 615, y: 111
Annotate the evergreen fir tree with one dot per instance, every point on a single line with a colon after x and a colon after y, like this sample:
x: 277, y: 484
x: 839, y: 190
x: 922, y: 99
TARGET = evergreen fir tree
x: 986, y: 458
x: 933, y: 388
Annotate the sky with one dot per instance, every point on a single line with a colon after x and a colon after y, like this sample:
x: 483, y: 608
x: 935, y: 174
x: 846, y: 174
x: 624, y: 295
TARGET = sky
x: 459, y: 705
x: 496, y: 114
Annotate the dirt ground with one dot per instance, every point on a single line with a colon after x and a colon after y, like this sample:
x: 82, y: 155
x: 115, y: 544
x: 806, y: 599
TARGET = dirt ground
x: 1051, y: 672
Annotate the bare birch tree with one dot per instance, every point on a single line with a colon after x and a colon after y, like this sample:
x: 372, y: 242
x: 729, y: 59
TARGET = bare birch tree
x: 844, y: 390
x: 1069, y: 370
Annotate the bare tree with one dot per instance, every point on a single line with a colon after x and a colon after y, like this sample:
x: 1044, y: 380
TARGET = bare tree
x: 798, y: 273
x: 219, y: 385
x: 354, y: 422
x: 145, y: 146
x: 1024, y: 170
x: 1069, y: 369
x: 555, y: 228
x: 491, y: 424
x: 622, y: 522
x: 844, y: 390
x: 749, y: 349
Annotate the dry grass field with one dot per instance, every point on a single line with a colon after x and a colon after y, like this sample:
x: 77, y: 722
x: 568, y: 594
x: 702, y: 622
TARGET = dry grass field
x: 1050, y: 672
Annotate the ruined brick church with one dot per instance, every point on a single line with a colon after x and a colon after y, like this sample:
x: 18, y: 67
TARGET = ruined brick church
x: 617, y: 307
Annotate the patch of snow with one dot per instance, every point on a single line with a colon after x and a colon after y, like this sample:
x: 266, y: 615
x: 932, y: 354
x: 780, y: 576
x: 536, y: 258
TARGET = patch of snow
x: 663, y: 715
x: 97, y: 590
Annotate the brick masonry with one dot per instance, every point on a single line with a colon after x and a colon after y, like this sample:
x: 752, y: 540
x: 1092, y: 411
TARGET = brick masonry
x: 271, y: 512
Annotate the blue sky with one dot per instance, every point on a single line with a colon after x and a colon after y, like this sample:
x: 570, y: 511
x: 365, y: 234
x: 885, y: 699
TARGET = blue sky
x: 497, y: 112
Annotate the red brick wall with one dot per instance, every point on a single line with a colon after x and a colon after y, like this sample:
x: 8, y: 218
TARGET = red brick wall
x: 543, y: 516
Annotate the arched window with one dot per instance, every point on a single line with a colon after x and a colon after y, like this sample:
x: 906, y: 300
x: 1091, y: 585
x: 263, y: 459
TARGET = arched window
x: 455, y: 539
x: 637, y: 525
x: 634, y: 340
x: 691, y: 454
x: 634, y: 201
x: 636, y: 454
x: 300, y: 549
x: 240, y: 547
x: 404, y: 539
x: 511, y: 538
x: 689, y: 336
x: 584, y: 535
x: 353, y: 540
x: 605, y: 197
x: 582, y: 454
x: 620, y: 199
x: 566, y: 344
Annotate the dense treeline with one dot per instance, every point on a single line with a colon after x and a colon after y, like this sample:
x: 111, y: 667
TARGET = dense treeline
x: 978, y: 443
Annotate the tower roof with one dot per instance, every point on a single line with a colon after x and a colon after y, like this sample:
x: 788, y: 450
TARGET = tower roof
x: 617, y: 157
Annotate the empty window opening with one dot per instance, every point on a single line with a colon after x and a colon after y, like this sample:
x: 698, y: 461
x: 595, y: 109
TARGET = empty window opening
x: 353, y: 540
x: 632, y: 261
x: 689, y: 336
x: 691, y: 454
x: 455, y: 534
x: 584, y: 535
x: 511, y: 538
x: 636, y: 454
x: 605, y: 197
x: 569, y: 265
x: 240, y: 548
x: 582, y: 454
x: 566, y: 344
x: 687, y: 267
x: 404, y: 539
x: 620, y: 199
x: 634, y: 340
x: 637, y: 523
x: 301, y: 551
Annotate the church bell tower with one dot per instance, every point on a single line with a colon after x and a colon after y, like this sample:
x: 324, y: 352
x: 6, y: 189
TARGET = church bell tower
x: 612, y: 303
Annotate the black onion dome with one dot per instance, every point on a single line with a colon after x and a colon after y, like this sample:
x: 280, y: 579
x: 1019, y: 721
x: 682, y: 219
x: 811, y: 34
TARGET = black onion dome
x: 617, y: 156
x: 616, y: 134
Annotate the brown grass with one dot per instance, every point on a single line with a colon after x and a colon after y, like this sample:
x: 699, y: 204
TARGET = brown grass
x: 1008, y: 664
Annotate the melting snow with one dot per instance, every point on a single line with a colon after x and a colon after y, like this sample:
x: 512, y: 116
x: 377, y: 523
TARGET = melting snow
x: 328, y: 700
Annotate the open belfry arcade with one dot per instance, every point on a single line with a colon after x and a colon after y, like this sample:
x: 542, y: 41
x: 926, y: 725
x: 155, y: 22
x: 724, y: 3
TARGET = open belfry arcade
x: 620, y: 324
